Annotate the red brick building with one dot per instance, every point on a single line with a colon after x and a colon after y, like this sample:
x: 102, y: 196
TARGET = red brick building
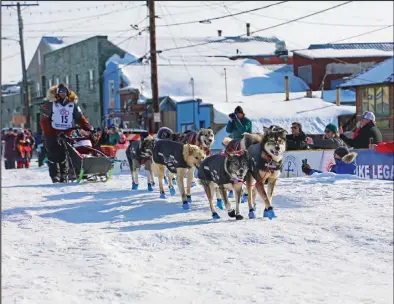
x: 328, y: 65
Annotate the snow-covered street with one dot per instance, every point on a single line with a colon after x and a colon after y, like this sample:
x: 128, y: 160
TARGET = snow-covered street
x: 332, y: 242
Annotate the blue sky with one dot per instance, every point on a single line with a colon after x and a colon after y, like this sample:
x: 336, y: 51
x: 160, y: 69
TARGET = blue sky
x: 79, y: 20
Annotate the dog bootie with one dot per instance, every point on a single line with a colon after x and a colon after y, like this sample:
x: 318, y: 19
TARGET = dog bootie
x: 193, y: 184
x: 231, y: 194
x: 215, y: 216
x: 150, y: 187
x: 185, y: 205
x: 174, y: 181
x: 172, y: 191
x: 219, y: 203
x: 189, y: 198
x: 163, y: 195
x: 231, y: 213
x: 244, y: 198
x: 239, y: 217
x: 134, y: 187
x: 269, y: 213
x: 252, y: 215
x: 165, y: 180
x: 153, y: 184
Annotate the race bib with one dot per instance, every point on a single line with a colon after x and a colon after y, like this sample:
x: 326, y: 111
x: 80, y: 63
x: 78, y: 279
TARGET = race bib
x: 62, y: 116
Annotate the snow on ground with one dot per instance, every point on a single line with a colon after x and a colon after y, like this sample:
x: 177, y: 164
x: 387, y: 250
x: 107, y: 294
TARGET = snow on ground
x: 102, y: 243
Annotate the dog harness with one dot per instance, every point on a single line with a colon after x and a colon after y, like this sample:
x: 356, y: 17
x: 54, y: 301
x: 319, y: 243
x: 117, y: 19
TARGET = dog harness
x: 170, y: 154
x: 135, y: 152
x: 213, y: 169
x: 257, y: 162
x: 191, y: 138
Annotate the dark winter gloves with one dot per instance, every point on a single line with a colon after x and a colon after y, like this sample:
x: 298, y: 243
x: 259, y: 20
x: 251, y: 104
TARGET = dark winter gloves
x: 306, y: 168
x: 232, y: 116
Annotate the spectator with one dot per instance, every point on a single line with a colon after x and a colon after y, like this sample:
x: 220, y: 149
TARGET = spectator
x: 238, y: 124
x: 104, y: 137
x: 330, y: 140
x: 297, y: 139
x: 113, y: 136
x: 9, y: 138
x: 363, y: 135
x: 22, y: 151
x: 345, y: 163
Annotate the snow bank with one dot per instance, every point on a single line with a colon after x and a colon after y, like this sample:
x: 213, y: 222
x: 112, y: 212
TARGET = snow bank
x: 103, y: 243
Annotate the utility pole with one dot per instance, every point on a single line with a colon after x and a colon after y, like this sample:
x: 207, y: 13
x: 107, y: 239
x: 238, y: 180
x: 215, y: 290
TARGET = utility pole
x: 192, y: 84
x: 24, y: 91
x: 225, y: 83
x: 153, y: 65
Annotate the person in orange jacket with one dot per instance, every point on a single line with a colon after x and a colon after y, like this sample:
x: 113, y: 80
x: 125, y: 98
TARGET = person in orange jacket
x: 58, y: 114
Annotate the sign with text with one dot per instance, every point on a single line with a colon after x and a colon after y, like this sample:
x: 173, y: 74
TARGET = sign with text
x: 156, y: 117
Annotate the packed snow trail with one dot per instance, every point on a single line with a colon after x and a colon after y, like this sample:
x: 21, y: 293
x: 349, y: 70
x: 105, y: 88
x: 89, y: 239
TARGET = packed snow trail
x: 332, y: 242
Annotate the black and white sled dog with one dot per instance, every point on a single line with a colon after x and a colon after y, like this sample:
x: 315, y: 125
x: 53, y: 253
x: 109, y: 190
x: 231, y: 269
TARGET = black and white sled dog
x: 266, y: 152
x: 223, y: 171
x: 140, y: 153
x: 178, y: 158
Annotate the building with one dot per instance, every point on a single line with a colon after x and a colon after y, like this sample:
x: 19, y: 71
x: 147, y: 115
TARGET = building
x: 81, y: 66
x: 328, y: 65
x: 375, y: 93
x: 189, y: 74
x: 12, y: 110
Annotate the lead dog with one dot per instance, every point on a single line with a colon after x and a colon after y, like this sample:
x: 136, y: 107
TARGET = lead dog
x: 139, y: 153
x: 265, y: 163
x: 226, y: 172
x: 178, y: 158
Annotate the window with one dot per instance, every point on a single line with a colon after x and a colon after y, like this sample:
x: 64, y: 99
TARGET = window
x: 38, y: 88
x: 57, y: 81
x: 43, y: 82
x: 376, y: 100
x: 202, y: 124
x: 39, y: 57
x: 67, y: 80
x: 91, y: 79
x: 189, y: 126
x: 77, y: 83
x: 49, y: 82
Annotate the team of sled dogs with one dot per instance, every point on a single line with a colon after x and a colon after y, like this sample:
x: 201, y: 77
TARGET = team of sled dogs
x: 254, y: 160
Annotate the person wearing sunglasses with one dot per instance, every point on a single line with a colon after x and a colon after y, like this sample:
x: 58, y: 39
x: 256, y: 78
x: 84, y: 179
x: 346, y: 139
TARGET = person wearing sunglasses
x: 330, y: 139
x: 297, y: 139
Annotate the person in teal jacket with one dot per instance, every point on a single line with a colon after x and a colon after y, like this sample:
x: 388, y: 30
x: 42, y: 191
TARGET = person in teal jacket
x: 238, y: 124
x: 113, y: 136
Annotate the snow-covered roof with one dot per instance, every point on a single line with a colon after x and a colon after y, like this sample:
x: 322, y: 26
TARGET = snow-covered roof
x: 209, y: 80
x: 343, y: 53
x: 384, y: 46
x: 383, y: 72
x: 346, y: 96
x: 267, y: 109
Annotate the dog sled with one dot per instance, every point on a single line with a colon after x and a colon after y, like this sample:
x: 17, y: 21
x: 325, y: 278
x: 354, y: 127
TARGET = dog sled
x: 85, y: 162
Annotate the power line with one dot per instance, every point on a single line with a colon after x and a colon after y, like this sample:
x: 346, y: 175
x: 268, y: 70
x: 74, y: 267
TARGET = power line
x: 303, y: 17
x: 362, y: 34
x: 208, y: 20
x: 79, y: 18
x: 184, y: 64
x: 267, y: 28
x: 311, y: 22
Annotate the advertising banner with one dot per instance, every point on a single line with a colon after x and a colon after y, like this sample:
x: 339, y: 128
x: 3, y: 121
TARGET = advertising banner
x: 375, y: 165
